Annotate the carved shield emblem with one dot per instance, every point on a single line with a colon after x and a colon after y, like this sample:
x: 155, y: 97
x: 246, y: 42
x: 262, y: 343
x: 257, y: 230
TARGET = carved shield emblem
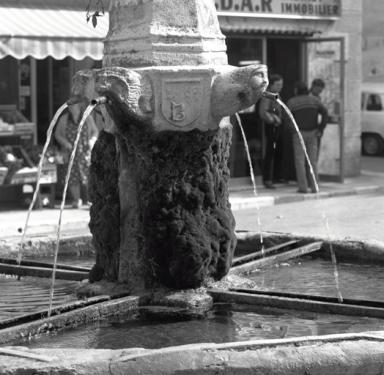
x: 181, y: 100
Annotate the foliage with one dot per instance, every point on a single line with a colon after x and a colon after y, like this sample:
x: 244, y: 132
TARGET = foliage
x: 97, y: 12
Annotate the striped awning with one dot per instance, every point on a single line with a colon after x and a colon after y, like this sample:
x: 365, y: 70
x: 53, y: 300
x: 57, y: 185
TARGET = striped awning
x: 50, y: 32
x: 271, y: 26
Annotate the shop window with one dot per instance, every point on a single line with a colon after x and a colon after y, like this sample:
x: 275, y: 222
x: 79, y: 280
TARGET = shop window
x: 8, y: 81
x: 374, y: 103
x: 25, y: 87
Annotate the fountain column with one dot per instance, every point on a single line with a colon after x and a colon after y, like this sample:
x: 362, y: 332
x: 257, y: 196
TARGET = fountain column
x: 159, y: 175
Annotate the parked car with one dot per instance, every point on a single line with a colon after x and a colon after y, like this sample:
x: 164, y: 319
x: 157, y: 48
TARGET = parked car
x: 372, y: 118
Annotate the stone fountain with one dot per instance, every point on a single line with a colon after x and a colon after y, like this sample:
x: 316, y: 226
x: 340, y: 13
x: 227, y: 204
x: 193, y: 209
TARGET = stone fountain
x: 160, y: 216
x: 159, y: 176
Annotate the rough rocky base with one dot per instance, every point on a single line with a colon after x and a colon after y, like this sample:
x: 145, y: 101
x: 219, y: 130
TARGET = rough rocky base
x: 160, y: 212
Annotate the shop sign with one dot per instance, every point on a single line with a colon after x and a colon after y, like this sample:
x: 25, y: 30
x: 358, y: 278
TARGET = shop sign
x: 312, y: 9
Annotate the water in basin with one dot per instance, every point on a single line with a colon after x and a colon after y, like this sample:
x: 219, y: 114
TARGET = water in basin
x: 315, y: 276
x: 31, y: 294
x: 224, y: 323
x: 70, y: 260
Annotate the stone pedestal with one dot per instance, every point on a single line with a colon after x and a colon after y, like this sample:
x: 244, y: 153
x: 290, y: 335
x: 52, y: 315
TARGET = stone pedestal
x: 159, y: 175
x: 164, y: 33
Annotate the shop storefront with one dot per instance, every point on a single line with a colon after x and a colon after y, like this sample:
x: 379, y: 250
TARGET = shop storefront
x: 40, y: 50
x: 301, y: 40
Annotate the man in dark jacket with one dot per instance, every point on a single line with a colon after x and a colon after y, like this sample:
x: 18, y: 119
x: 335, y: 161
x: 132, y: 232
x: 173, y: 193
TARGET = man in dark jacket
x: 271, y: 115
x: 307, y: 109
x: 317, y: 87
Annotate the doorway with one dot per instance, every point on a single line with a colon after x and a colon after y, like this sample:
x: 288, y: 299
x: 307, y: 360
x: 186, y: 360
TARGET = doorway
x: 282, y: 56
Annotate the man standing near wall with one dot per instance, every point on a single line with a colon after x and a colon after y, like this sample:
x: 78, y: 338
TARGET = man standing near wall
x: 306, y: 110
x: 316, y: 89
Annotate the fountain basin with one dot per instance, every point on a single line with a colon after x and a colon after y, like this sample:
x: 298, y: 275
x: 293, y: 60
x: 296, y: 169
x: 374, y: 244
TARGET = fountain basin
x: 99, y: 316
x: 333, y: 354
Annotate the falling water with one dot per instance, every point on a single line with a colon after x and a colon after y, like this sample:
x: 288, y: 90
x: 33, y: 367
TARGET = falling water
x: 316, y: 185
x: 39, y: 169
x: 87, y: 112
x: 253, y: 180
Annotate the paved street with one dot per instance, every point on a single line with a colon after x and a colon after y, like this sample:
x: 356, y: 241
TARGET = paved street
x: 357, y: 217
x: 354, y: 209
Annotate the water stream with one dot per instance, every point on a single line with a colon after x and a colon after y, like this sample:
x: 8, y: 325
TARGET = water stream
x: 316, y: 185
x: 39, y: 169
x: 252, y: 179
x: 86, y: 113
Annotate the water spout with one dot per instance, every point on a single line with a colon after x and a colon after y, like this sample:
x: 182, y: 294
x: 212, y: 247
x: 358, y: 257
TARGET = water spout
x: 293, y: 121
x: 252, y: 179
x: 100, y: 100
x: 270, y: 95
x: 316, y: 185
x: 86, y: 113
x: 39, y: 169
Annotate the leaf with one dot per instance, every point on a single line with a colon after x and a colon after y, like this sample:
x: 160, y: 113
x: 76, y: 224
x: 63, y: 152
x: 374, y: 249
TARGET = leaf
x: 94, y: 20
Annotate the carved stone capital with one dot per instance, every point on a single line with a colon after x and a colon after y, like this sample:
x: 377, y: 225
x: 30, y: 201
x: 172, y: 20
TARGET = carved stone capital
x: 174, y: 98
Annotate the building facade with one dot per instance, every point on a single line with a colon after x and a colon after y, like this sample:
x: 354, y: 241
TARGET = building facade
x: 303, y: 40
x: 44, y: 42
x: 373, y: 41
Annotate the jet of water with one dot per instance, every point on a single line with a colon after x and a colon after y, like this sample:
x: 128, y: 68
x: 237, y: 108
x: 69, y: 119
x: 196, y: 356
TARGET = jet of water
x: 86, y: 113
x: 311, y: 171
x: 316, y: 185
x: 39, y: 169
x: 252, y: 179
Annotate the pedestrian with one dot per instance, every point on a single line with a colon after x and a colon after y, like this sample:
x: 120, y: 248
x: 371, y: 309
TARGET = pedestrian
x: 317, y: 87
x: 270, y: 113
x: 65, y: 134
x: 306, y: 109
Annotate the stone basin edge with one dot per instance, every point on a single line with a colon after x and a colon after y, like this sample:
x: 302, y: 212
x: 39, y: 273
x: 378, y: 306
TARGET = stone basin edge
x: 331, y: 354
x: 350, y: 249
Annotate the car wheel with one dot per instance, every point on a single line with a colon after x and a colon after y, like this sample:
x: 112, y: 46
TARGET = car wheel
x: 372, y: 144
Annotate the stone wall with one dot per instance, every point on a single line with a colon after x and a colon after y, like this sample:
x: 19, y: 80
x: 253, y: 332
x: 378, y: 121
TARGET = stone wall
x: 350, y: 26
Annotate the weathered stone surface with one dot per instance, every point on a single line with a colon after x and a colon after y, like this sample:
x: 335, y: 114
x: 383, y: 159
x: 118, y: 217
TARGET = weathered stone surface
x: 45, y: 245
x: 164, y: 32
x: 237, y: 88
x: 188, y: 222
x: 176, y: 222
x: 177, y: 98
x: 105, y: 210
x: 352, y: 354
x: 120, y: 307
x: 192, y: 299
x: 160, y: 189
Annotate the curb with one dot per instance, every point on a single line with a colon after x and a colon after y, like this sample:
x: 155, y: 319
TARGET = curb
x: 79, y: 228
x: 238, y: 203
x: 44, y: 245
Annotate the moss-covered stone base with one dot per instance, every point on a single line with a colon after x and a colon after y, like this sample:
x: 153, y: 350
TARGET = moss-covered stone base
x: 160, y: 212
